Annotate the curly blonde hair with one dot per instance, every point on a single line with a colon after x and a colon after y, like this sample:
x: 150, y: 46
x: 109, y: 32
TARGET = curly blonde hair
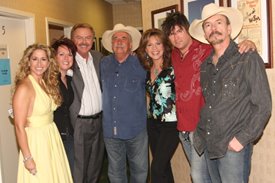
x: 50, y: 76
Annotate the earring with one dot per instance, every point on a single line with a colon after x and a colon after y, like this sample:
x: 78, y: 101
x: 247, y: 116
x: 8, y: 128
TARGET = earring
x: 146, y: 56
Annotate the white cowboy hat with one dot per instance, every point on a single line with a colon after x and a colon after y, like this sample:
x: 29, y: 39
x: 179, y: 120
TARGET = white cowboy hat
x: 133, y: 32
x: 235, y: 17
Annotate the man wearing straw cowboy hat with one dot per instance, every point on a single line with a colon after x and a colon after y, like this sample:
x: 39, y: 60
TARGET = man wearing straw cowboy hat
x: 187, y: 56
x: 237, y: 96
x: 124, y: 106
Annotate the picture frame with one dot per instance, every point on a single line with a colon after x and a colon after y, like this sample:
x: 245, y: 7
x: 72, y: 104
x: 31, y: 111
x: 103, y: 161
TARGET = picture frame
x: 159, y: 15
x: 192, y: 8
x: 101, y: 47
x: 100, y: 44
x: 94, y: 47
x: 257, y: 26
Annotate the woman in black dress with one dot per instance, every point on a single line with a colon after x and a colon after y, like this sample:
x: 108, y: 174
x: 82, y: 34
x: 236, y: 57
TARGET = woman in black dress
x: 65, y: 51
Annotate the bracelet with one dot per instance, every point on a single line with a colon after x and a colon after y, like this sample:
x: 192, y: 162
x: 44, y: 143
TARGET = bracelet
x: 27, y: 158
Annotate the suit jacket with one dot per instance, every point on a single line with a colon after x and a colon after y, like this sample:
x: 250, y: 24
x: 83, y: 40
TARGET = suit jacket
x: 78, y: 85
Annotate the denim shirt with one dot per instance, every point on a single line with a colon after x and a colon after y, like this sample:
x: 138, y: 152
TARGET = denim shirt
x: 238, y: 101
x: 162, y: 96
x: 124, y: 101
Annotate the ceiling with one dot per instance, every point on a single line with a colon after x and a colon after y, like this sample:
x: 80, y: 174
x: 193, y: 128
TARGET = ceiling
x: 121, y: 1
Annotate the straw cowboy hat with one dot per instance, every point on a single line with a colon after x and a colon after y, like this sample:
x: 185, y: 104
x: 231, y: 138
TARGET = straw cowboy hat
x: 235, y: 17
x: 133, y: 32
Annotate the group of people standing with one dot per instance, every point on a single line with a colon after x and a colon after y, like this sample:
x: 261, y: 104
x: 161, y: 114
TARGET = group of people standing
x: 202, y: 89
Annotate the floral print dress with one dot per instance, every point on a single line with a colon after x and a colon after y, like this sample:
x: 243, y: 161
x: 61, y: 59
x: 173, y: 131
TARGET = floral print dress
x: 162, y: 96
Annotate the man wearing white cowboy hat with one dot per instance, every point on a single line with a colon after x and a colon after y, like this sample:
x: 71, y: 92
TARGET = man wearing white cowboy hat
x: 237, y: 96
x: 187, y: 56
x: 124, y: 106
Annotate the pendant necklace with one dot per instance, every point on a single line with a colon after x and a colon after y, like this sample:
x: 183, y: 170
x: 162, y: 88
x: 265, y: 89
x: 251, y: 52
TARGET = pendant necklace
x: 156, y: 71
x: 154, y: 75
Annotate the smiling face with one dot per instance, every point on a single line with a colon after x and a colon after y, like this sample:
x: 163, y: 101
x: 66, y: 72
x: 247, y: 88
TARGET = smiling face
x: 38, y: 63
x: 83, y: 39
x: 155, y: 48
x: 64, y: 58
x: 121, y: 43
x: 180, y: 38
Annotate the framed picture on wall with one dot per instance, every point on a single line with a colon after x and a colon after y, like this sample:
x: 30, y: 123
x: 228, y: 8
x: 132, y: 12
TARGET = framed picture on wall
x: 101, y: 47
x: 192, y: 8
x: 257, y: 25
x: 159, y: 15
x: 94, y: 44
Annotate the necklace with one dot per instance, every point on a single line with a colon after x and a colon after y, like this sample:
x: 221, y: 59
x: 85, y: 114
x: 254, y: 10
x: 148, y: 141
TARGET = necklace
x: 154, y: 74
x: 182, y: 55
x: 156, y: 71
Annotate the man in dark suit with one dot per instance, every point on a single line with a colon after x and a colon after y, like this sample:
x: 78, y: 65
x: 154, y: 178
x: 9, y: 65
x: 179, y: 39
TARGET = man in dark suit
x: 86, y: 109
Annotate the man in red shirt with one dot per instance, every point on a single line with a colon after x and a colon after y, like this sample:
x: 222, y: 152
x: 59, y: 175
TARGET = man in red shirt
x: 187, y: 56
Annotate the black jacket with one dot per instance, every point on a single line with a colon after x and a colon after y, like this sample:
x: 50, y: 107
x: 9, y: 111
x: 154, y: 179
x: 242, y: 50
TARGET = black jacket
x: 62, y: 114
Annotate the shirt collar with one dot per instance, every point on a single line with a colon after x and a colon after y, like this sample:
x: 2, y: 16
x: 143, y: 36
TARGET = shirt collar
x: 194, y: 45
x: 228, y: 53
x: 125, y: 60
x: 79, y: 58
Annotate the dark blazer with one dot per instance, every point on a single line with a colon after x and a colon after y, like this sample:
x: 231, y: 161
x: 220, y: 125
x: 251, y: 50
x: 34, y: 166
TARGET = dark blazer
x: 78, y: 85
x: 62, y: 114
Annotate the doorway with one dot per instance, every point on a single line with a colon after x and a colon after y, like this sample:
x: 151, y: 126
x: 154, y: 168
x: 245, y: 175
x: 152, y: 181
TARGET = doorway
x: 55, y: 29
x: 17, y: 32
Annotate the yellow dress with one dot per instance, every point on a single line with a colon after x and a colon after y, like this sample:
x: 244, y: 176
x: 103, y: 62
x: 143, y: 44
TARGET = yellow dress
x: 45, y: 144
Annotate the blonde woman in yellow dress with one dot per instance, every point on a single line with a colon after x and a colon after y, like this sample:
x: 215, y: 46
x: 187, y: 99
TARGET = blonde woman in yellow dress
x: 42, y: 158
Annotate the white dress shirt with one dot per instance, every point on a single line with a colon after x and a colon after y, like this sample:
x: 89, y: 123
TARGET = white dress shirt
x: 91, y: 102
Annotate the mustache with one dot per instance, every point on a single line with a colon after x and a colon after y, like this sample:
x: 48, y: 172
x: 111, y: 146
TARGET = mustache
x: 215, y: 32
x: 120, y: 46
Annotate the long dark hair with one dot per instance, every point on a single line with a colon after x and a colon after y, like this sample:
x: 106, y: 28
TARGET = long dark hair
x: 145, y: 60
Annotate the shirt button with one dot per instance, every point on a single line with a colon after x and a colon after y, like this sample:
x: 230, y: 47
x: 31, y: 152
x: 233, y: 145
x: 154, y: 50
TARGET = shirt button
x: 210, y: 107
x: 208, y: 133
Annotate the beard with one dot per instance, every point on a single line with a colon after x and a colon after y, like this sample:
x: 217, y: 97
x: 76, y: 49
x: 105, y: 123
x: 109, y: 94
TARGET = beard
x: 213, y: 38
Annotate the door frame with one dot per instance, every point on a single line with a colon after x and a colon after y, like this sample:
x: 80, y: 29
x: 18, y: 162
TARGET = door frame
x: 29, y: 21
x: 67, y: 26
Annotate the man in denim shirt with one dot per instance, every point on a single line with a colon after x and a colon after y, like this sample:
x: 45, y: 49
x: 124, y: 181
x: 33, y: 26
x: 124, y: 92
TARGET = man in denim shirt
x: 237, y: 96
x: 124, y: 106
